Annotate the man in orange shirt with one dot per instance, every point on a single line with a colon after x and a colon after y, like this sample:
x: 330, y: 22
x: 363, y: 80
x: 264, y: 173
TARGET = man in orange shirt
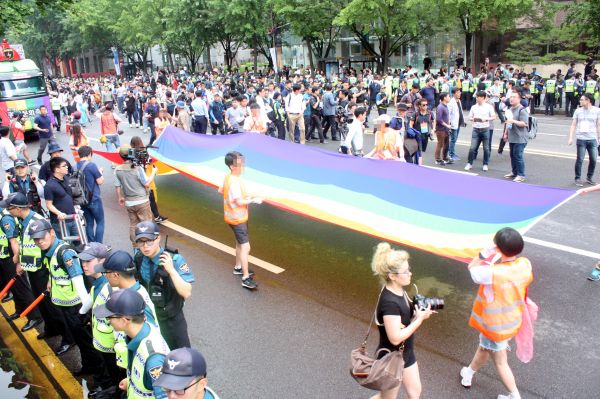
x: 235, y: 204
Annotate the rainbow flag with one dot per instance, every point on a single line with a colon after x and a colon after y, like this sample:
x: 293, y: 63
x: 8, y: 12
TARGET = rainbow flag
x: 445, y: 213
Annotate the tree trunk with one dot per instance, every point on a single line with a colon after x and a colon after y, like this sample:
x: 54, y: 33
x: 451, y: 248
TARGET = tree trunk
x: 469, y: 50
x: 310, y: 54
x: 385, y: 56
x: 170, y: 57
x: 255, y: 50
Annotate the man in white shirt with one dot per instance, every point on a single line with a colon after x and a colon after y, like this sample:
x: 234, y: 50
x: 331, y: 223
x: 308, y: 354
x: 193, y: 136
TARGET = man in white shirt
x: 295, y: 105
x: 586, y: 127
x: 8, y: 153
x: 263, y: 102
x: 481, y: 115
x: 354, y: 138
x: 456, y: 118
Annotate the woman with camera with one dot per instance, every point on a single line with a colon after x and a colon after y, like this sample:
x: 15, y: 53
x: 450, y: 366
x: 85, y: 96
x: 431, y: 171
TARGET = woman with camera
x: 396, y: 317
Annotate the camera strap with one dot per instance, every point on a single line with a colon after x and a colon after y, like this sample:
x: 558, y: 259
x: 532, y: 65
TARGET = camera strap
x: 364, y: 344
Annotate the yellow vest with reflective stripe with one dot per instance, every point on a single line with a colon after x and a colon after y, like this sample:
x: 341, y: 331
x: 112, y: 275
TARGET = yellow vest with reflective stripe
x: 569, y: 85
x: 135, y: 374
x: 30, y: 255
x: 590, y: 86
x: 62, y: 291
x: 550, y: 86
x: 102, y: 331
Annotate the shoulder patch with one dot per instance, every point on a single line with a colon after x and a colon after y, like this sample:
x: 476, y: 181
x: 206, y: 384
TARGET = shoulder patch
x: 155, y: 372
x: 7, y: 226
x: 184, y: 268
x: 69, y: 262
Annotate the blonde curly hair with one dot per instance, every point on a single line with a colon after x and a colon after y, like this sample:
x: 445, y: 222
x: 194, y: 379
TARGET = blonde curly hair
x: 387, y: 260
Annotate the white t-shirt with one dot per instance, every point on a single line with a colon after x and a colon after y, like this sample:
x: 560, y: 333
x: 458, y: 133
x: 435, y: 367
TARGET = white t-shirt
x: 354, y: 138
x: 587, y: 122
x: 7, y: 150
x: 483, y: 111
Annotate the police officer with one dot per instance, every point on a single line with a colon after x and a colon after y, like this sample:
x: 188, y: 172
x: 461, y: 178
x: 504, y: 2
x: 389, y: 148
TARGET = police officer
x: 25, y: 183
x: 168, y: 279
x: 550, y: 100
x: 28, y: 259
x: 146, y: 348
x: 184, y: 374
x: 9, y: 245
x: 570, y: 104
x: 68, y: 293
x: 102, y: 331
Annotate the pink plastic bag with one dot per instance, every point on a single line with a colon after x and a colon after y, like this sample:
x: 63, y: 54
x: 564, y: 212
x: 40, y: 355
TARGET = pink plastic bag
x: 524, y: 337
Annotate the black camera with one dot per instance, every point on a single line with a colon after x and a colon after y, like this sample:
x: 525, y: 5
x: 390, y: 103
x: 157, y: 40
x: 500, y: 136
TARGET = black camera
x: 422, y: 302
x: 139, y: 156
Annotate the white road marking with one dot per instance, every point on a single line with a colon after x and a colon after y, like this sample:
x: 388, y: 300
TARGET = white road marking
x: 561, y: 247
x: 222, y: 247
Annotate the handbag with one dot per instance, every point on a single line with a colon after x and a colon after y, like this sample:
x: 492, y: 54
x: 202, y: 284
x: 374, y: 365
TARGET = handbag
x: 377, y: 374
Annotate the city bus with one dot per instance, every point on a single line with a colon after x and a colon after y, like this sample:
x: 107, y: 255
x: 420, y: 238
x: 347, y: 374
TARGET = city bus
x: 22, y: 88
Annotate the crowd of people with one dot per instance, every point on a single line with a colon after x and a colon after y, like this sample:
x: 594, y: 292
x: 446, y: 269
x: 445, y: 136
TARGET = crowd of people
x: 125, y: 312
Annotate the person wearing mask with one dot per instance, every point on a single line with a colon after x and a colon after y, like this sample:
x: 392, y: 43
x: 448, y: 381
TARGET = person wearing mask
x: 184, y: 375
x: 586, y: 128
x: 168, y: 279
x: 442, y: 127
x: 131, y: 184
x: 43, y: 125
x: 396, y: 316
x: 93, y: 212
x: 68, y: 293
x: 481, y: 114
x: 503, y: 277
x: 146, y: 348
x: 516, y: 135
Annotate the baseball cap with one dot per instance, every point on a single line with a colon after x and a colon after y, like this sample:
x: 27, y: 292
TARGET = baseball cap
x: 127, y: 302
x: 53, y: 147
x: 124, y: 150
x: 147, y: 229
x: 118, y: 261
x: 180, y: 104
x: 39, y: 228
x: 14, y: 199
x: 20, y: 162
x: 180, y: 368
x: 94, y: 250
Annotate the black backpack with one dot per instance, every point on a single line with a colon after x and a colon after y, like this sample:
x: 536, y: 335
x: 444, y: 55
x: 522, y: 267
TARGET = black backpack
x: 79, y: 189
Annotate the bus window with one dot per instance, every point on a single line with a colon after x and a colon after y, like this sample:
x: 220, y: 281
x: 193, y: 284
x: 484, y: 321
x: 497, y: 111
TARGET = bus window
x: 14, y: 89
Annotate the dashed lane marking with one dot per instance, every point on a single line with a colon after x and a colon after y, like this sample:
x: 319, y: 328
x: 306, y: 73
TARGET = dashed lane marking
x: 222, y: 247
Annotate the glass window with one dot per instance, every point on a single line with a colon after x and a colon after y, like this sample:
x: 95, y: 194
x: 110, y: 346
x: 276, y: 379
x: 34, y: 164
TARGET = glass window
x: 16, y: 88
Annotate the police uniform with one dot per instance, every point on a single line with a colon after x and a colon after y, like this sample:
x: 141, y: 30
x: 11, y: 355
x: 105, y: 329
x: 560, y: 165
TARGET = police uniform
x: 21, y: 290
x: 570, y: 102
x: 30, y: 260
x: 550, y: 100
x: 145, y: 351
x: 168, y: 303
x: 65, y: 273
x: 28, y: 188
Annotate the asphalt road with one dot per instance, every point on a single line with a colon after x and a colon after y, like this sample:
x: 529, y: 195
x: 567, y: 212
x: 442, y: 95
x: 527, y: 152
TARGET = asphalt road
x: 293, y: 336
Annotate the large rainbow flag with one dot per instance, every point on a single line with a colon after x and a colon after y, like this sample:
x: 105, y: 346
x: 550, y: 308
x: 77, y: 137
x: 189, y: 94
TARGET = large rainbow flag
x: 445, y: 213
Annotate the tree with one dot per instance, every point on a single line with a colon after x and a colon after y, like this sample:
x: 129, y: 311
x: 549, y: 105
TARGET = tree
x: 475, y: 16
x: 389, y: 23
x: 14, y: 14
x: 313, y: 22
x: 586, y: 17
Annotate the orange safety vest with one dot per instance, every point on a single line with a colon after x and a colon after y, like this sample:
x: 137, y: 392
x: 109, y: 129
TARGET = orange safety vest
x: 234, y: 214
x: 500, y: 319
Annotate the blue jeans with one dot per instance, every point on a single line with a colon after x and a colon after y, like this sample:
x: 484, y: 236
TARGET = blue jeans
x: 591, y: 146
x: 121, y: 103
x: 94, y: 213
x: 71, y: 228
x: 480, y: 136
x: 517, y: 160
x: 453, y: 138
x: 112, y: 142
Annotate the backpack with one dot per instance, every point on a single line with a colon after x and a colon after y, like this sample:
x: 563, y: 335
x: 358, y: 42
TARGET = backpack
x: 80, y: 192
x: 532, y: 126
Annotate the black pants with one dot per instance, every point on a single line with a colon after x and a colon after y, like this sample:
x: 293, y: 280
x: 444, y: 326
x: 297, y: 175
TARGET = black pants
x: 550, y: 103
x: 114, y: 372
x: 281, y: 132
x: 91, y: 359
x: 56, y: 113
x: 174, y: 331
x: 330, y: 122
x: 153, y: 205
x: 200, y: 124
x: 21, y: 290
x: 315, y: 124
x: 216, y: 128
x: 570, y: 104
x: 54, y: 321
x: 152, y: 127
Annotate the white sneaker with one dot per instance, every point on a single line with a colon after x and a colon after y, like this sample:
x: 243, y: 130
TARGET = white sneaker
x: 468, y: 166
x: 504, y: 397
x: 485, y: 168
x: 137, y: 126
x: 519, y: 179
x: 130, y: 125
x: 465, y: 380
